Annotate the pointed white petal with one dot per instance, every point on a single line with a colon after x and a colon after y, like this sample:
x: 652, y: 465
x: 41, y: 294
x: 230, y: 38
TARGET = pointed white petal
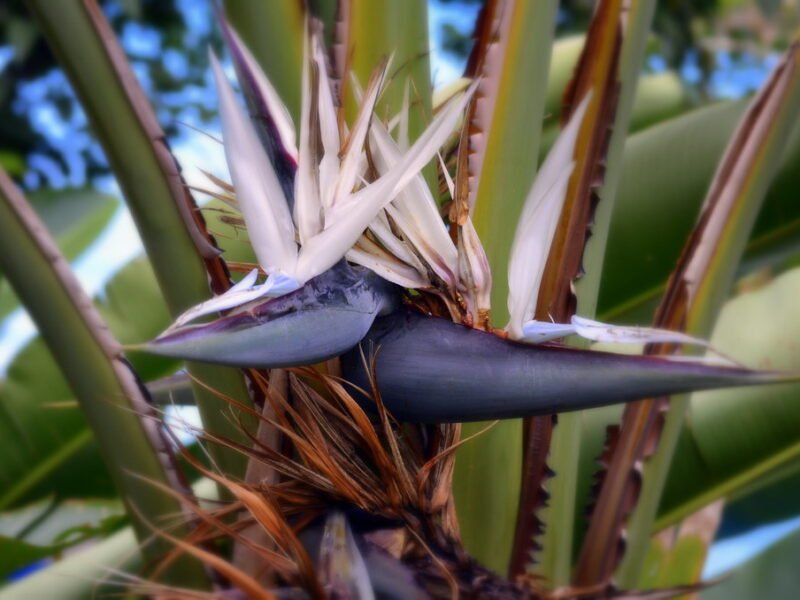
x: 624, y: 334
x: 258, y: 190
x: 402, y: 133
x: 241, y: 293
x: 351, y: 162
x: 394, y: 245
x: 474, y: 272
x: 245, y: 282
x: 323, y: 250
x: 277, y: 109
x: 451, y: 186
x: 537, y: 332
x: 387, y: 267
x: 328, y: 125
x: 538, y: 223
x: 307, y: 202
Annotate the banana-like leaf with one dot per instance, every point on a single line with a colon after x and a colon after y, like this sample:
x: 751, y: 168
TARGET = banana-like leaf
x: 109, y: 392
x: 471, y: 375
x: 608, y: 68
x: 512, y: 57
x: 82, y: 574
x: 732, y: 439
x: 184, y: 257
x: 273, y: 31
x: 369, y: 31
x: 46, y: 446
x: 74, y: 218
x: 324, y: 318
x: 695, y: 294
x: 665, y: 175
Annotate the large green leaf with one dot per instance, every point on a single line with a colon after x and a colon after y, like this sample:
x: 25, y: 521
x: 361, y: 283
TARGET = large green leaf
x: 487, y: 477
x: 184, y: 259
x: 74, y: 218
x: 44, y: 442
x: 732, y: 438
x: 665, y: 174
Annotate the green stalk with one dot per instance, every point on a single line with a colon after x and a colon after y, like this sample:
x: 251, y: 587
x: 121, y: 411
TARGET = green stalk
x: 92, y: 362
x: 558, y: 517
x: 273, y: 32
x: 376, y: 29
x: 707, y: 269
x: 182, y: 254
x: 487, y: 475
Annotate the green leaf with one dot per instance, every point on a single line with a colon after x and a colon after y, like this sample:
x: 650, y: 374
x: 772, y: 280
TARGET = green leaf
x: 74, y: 218
x: 45, y: 444
x: 273, y: 31
x: 46, y: 530
x: 666, y: 171
x: 705, y: 274
x: 91, y: 360
x: 49, y: 522
x: 184, y: 259
x: 487, y: 480
x: 733, y: 438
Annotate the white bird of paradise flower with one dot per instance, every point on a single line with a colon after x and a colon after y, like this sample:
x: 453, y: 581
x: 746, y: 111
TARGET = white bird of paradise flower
x: 409, y: 243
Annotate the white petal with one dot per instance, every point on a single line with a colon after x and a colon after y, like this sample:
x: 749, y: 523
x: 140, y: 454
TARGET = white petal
x: 415, y: 210
x: 258, y: 190
x: 624, y: 334
x: 473, y: 269
x: 307, y: 202
x: 328, y: 125
x: 387, y: 267
x: 277, y: 109
x: 538, y: 223
x: 245, y: 282
x: 351, y: 162
x: 323, y: 250
x: 402, y: 133
x: 537, y: 332
x: 239, y: 294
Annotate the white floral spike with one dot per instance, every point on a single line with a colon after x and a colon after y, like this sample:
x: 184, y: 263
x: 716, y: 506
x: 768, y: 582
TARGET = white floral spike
x: 451, y: 186
x: 415, y: 210
x: 258, y: 190
x: 355, y: 213
x: 369, y: 255
x: 277, y: 109
x: 538, y: 223
x: 241, y: 293
x: 351, y: 163
x: 307, y: 202
x: 624, y: 334
x: 246, y: 282
x: 474, y: 270
x: 402, y: 133
x: 538, y: 332
x: 328, y: 126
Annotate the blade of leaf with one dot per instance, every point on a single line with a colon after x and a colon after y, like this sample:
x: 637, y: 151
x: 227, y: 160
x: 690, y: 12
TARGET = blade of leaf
x: 273, y: 31
x: 184, y: 256
x: 609, y: 65
x: 108, y: 390
x: 700, y: 284
x: 512, y: 57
